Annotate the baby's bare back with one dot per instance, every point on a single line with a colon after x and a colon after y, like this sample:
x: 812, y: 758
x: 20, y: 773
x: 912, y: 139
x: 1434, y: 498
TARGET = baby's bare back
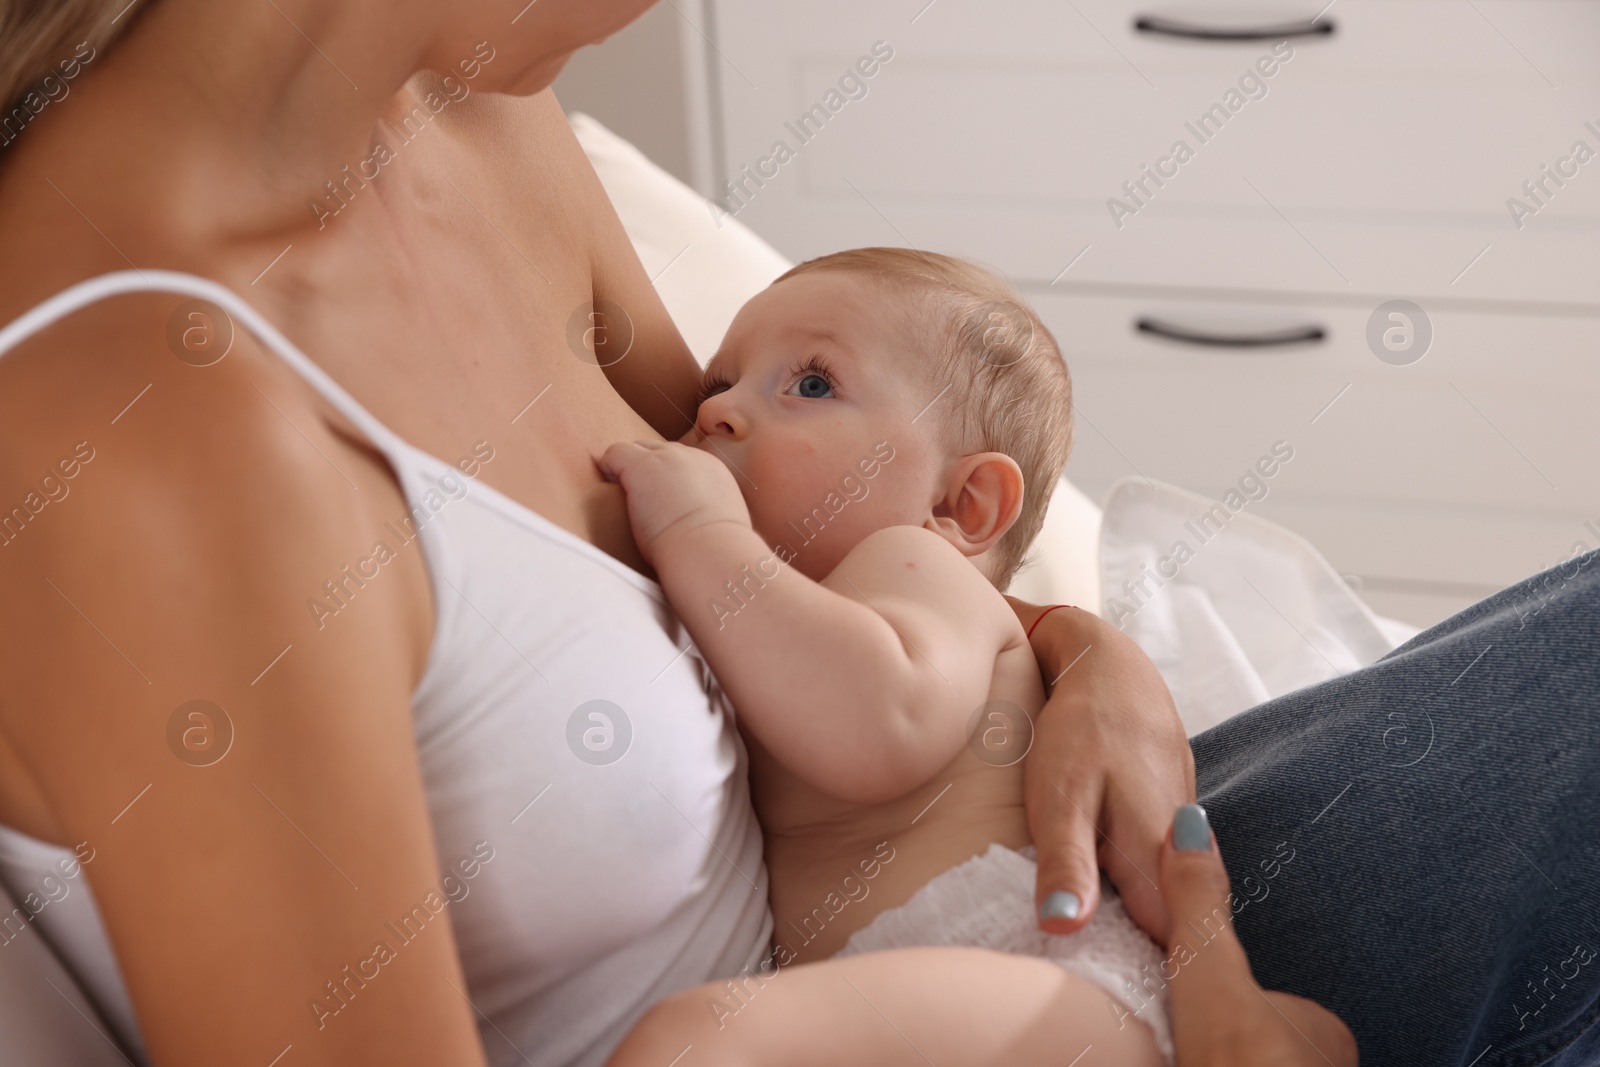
x: 834, y: 866
x: 886, y: 707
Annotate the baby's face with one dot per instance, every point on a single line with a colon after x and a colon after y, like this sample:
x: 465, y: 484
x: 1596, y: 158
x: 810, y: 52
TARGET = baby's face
x: 813, y: 402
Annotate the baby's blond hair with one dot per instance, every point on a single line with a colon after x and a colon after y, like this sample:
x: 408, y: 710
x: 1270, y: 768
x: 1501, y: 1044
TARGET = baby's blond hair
x: 1011, y: 390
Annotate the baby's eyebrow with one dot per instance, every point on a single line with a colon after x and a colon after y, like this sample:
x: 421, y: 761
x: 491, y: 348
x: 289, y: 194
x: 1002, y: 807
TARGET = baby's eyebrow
x: 817, y: 333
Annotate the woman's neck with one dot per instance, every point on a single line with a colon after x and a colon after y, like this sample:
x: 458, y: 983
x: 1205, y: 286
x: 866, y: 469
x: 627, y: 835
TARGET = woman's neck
x: 234, y: 116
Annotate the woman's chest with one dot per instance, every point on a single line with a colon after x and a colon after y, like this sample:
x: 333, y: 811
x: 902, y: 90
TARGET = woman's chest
x: 465, y: 344
x: 565, y: 724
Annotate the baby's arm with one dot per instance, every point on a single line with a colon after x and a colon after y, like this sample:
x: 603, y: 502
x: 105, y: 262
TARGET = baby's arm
x: 861, y: 684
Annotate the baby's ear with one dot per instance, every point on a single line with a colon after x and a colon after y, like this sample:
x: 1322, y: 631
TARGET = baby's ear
x: 983, y: 497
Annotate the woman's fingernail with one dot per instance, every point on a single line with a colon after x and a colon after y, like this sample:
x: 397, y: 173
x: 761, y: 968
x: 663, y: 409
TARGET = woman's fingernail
x: 1060, y: 905
x: 1191, y: 832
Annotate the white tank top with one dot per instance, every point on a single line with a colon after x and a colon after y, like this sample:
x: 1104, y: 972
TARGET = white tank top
x: 615, y: 879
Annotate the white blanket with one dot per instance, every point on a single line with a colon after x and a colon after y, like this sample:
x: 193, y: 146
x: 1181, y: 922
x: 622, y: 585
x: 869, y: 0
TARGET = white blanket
x: 1234, y: 610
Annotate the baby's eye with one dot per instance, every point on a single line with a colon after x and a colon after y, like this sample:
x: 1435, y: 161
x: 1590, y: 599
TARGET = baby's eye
x: 812, y: 380
x: 813, y: 387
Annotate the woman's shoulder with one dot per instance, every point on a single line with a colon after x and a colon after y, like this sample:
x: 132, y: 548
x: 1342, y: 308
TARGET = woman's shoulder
x: 170, y: 482
x: 179, y: 706
x: 163, y: 524
x: 154, y: 375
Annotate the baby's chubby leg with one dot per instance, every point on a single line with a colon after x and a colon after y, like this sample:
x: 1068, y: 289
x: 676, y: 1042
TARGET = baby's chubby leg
x: 956, y: 1007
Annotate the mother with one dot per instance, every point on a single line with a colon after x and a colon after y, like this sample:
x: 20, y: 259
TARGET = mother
x: 415, y: 674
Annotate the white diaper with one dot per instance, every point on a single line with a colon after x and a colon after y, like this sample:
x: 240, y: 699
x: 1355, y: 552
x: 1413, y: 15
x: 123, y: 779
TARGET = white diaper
x: 987, y: 902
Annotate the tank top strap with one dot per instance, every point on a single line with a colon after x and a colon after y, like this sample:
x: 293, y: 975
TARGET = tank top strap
x: 117, y: 283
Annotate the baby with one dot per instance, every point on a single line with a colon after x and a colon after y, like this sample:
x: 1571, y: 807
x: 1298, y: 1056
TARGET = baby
x: 876, y: 442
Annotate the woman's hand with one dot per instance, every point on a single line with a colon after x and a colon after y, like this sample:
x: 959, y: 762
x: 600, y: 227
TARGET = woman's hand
x: 1220, y: 1016
x: 1109, y: 763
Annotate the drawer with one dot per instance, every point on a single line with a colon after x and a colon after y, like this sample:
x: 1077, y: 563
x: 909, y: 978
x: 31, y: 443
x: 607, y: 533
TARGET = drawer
x: 1378, y: 159
x: 1429, y: 38
x: 1501, y: 415
x: 1441, y: 552
x: 1470, y: 340
x: 1430, y: 485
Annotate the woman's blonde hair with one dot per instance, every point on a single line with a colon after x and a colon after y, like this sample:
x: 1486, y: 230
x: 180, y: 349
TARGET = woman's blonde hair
x: 38, y: 36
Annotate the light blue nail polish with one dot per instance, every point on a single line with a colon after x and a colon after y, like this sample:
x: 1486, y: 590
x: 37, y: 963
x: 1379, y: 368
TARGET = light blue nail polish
x: 1060, y: 905
x: 1191, y: 832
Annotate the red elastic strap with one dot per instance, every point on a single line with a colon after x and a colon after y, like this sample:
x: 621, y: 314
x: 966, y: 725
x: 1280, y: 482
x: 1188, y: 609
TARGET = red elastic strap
x: 1042, y: 614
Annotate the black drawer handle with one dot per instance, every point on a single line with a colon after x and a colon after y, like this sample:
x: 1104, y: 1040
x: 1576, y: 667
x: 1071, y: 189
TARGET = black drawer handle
x: 1179, y: 28
x: 1297, y: 335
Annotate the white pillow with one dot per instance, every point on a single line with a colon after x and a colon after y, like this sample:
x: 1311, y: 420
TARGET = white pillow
x: 1251, y: 612
x: 705, y: 269
x: 704, y: 272
x: 1061, y: 566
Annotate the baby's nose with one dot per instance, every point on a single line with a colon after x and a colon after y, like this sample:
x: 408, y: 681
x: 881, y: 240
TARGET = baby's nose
x: 720, y: 416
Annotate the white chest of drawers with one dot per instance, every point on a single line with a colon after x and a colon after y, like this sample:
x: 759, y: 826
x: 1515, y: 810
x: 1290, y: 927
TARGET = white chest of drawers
x: 1318, y: 180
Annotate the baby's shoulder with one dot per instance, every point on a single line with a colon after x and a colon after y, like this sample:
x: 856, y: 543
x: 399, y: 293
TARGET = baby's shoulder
x: 911, y: 563
x: 911, y: 548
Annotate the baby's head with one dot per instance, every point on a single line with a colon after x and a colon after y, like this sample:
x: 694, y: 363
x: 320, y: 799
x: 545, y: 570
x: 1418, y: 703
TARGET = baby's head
x: 882, y: 387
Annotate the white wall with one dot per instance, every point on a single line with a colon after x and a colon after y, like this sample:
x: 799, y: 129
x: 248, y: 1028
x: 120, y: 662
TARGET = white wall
x: 635, y: 83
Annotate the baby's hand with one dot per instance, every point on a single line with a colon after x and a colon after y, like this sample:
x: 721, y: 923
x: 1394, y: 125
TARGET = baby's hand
x: 672, y: 489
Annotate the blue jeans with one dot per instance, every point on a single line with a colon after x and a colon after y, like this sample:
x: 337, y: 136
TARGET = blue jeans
x: 1416, y: 845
